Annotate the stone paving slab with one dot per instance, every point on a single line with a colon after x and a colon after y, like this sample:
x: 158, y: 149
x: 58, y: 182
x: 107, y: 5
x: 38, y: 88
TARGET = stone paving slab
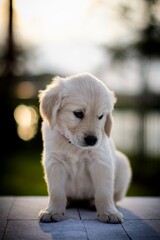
x: 102, y: 231
x: 140, y: 207
x: 29, y: 207
x: 87, y: 214
x: 18, y: 220
x: 5, y: 207
x: 142, y: 229
x: 25, y: 230
x: 67, y: 229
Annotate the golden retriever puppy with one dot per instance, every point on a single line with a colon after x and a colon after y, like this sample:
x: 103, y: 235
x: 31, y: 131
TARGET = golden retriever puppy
x: 79, y: 158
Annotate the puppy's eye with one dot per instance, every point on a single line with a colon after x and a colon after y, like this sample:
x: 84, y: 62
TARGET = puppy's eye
x: 100, y: 117
x: 78, y: 114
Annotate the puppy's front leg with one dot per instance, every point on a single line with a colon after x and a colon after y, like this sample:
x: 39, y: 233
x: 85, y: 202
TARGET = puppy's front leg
x: 103, y: 182
x: 56, y: 177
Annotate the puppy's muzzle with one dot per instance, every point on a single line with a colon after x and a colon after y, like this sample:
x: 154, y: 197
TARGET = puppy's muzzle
x: 90, y: 140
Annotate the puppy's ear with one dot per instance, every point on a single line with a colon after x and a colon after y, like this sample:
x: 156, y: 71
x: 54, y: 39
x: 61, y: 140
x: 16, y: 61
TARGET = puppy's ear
x: 50, y: 101
x: 109, y: 118
x: 108, y: 124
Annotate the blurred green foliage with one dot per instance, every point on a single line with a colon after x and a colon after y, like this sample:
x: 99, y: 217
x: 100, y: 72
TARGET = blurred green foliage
x: 23, y: 175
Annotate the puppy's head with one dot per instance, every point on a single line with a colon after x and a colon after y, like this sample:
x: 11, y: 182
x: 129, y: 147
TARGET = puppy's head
x: 79, y: 107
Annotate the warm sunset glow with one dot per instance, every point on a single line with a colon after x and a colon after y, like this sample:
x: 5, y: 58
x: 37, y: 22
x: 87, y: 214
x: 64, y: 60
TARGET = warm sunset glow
x: 70, y: 36
x: 54, y: 20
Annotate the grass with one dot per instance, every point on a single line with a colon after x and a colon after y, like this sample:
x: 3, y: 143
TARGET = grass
x: 23, y: 175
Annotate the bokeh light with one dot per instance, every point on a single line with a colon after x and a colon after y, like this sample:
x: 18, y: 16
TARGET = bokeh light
x: 26, y: 118
x: 25, y: 90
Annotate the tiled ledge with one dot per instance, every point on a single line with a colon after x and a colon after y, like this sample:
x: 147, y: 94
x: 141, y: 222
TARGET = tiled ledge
x: 18, y: 220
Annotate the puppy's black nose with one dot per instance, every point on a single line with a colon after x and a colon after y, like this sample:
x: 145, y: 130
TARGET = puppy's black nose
x: 90, y: 140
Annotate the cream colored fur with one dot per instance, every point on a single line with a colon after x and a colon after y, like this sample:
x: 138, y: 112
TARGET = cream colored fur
x: 76, y: 168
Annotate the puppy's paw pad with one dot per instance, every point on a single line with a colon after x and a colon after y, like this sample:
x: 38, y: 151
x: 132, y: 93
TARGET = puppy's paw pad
x: 111, y: 217
x: 45, y: 216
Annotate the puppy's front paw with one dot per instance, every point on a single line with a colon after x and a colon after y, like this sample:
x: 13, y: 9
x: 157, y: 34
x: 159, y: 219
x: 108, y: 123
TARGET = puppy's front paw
x: 45, y: 216
x: 107, y: 217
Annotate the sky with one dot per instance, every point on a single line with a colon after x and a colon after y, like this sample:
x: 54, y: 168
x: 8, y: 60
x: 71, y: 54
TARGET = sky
x: 71, y: 36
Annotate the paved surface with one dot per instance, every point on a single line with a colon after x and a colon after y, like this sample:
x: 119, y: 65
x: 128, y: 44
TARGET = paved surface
x: 18, y: 221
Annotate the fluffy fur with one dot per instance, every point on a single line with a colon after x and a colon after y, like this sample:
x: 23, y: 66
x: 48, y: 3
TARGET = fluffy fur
x: 79, y: 158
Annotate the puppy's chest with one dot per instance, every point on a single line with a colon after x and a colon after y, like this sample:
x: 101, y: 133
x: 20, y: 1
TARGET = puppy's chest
x: 79, y: 184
